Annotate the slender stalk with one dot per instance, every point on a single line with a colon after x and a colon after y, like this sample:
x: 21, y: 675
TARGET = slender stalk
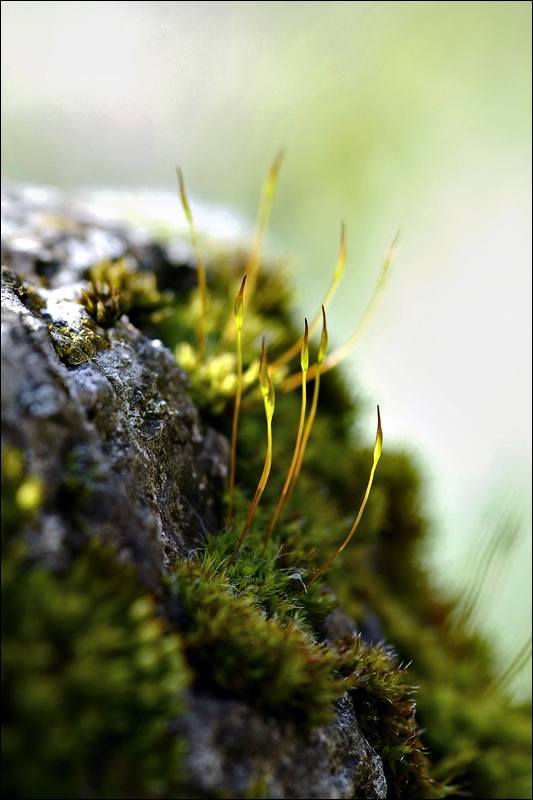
x: 304, y: 363
x: 377, y: 453
x: 267, y: 198
x: 267, y: 390
x: 487, y: 568
x: 238, y: 310
x: 339, y: 271
x: 314, y: 403
x: 349, y: 346
x: 265, y: 207
x: 515, y: 667
x: 202, y: 283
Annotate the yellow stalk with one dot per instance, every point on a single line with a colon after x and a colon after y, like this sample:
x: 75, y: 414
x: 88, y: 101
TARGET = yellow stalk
x: 239, y: 318
x: 304, y: 363
x: 377, y: 454
x: 322, y: 350
x: 202, y: 283
x: 267, y: 390
x: 263, y: 217
x: 339, y: 271
x: 348, y: 347
x: 265, y: 208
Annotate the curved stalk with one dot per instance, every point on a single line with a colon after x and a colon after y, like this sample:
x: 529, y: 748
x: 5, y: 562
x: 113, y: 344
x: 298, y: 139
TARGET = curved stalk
x: 337, y: 275
x: 314, y: 403
x: 202, y: 283
x: 377, y: 453
x: 238, y: 310
x: 267, y: 390
x: 265, y: 208
x: 349, y: 346
x: 304, y: 363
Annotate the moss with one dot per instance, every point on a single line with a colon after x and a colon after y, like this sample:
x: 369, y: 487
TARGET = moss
x: 91, y: 674
x: 74, y: 345
x: 257, y: 788
x: 251, y: 637
x: 116, y: 287
x: 30, y: 297
x: 380, y: 572
x: 234, y: 646
x: 384, y: 702
x: 22, y: 494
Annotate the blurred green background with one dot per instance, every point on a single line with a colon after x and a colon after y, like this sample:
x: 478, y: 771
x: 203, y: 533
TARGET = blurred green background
x: 393, y: 113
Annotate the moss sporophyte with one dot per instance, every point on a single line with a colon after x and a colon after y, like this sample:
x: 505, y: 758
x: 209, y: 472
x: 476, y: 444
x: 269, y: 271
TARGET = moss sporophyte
x: 266, y: 386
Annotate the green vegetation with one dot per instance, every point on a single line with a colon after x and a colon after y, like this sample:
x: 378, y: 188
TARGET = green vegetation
x: 236, y: 646
x: 118, y: 287
x: 385, y: 708
x: 91, y: 675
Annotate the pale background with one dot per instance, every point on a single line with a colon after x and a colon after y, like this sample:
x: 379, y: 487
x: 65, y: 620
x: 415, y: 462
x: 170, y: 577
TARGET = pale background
x: 393, y: 113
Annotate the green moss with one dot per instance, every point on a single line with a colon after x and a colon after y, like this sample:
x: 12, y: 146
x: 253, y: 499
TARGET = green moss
x: 22, y: 494
x: 75, y: 347
x: 91, y: 675
x: 213, y: 381
x: 380, y: 572
x: 251, y: 638
x: 235, y: 646
x: 384, y: 702
x: 115, y: 288
x: 30, y: 297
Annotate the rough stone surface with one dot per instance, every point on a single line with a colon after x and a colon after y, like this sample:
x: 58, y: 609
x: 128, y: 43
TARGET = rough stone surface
x: 113, y: 432
x: 233, y: 748
x: 124, y: 454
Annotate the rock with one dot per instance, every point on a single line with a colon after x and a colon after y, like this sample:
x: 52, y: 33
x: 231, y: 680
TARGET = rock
x: 104, y: 418
x: 111, y: 430
x: 233, y: 748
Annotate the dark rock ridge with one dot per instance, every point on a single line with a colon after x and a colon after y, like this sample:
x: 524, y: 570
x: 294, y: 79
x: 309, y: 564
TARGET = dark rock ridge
x: 124, y: 454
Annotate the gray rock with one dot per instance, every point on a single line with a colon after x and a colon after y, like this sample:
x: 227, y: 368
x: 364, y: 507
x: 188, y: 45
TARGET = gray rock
x: 233, y: 748
x: 124, y: 455
x: 113, y: 433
